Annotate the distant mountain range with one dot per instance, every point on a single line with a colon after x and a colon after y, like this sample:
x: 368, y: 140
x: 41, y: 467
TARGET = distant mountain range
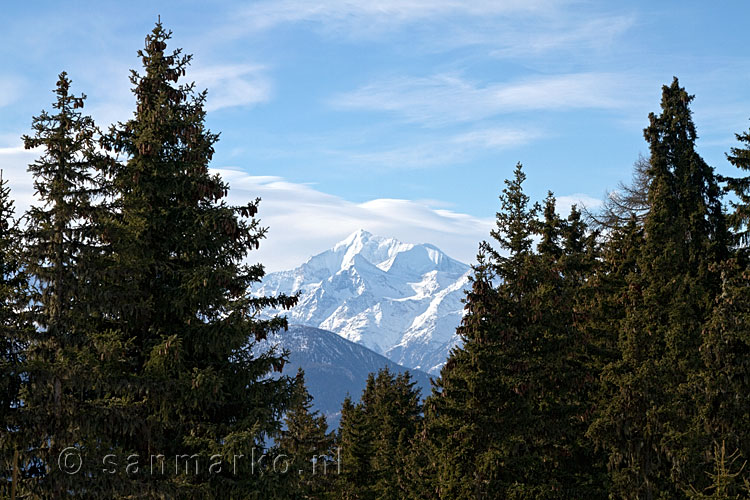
x: 334, y: 367
x: 403, y: 301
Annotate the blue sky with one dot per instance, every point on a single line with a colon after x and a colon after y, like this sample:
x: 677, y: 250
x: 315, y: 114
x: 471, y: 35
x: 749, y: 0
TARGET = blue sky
x: 402, y: 117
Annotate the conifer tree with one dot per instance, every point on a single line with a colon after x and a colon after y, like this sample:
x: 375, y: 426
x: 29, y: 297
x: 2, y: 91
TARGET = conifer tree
x: 374, y: 437
x: 550, y: 229
x: 739, y: 219
x: 608, y: 293
x: 394, y: 411
x: 561, y: 361
x: 509, y: 413
x: 61, y: 397
x: 356, y: 442
x: 648, y: 422
x: 179, y: 294
x: 463, y: 422
x: 722, y: 388
x: 308, y: 446
x: 15, y: 329
x: 420, y: 462
x: 723, y: 385
x: 476, y: 403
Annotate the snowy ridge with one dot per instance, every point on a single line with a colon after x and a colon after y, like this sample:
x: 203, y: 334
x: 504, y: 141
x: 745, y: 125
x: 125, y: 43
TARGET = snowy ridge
x: 401, y: 300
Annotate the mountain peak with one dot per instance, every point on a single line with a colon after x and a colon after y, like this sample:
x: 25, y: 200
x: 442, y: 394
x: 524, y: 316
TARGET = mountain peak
x: 403, y: 300
x: 357, y: 239
x: 366, y: 246
x: 360, y: 234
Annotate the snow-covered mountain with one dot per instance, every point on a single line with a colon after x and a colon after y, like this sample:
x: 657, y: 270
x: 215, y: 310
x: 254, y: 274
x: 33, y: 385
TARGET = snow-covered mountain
x: 401, y: 300
x: 334, y: 367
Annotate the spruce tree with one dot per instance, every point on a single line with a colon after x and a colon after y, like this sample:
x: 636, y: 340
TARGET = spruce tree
x: 15, y: 328
x: 374, y: 437
x: 739, y: 219
x: 648, y: 422
x: 562, y: 367
x: 356, y: 442
x: 607, y: 291
x: 308, y: 446
x: 550, y: 229
x: 480, y: 399
x: 463, y: 422
x: 723, y: 386
x: 180, y: 293
x: 420, y: 462
x: 509, y: 413
x: 394, y: 411
x: 62, y: 397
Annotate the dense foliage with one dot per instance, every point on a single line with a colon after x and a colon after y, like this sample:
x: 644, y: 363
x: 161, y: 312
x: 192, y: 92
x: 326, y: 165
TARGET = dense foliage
x: 141, y: 363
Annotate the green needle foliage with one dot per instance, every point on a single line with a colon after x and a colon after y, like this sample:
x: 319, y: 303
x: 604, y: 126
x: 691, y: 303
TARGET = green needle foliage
x: 141, y: 353
x: 308, y: 447
x: 179, y: 293
x: 61, y: 398
x: 509, y: 414
x: 722, y: 388
x: 740, y: 187
x: 648, y: 413
x: 15, y: 330
x: 374, y: 438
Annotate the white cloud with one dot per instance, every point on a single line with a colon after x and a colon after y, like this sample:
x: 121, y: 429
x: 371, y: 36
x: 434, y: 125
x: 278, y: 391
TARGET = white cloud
x: 443, y: 99
x: 496, y: 138
x: 303, y: 221
x: 14, y: 162
x: 13, y: 151
x: 445, y: 151
x: 564, y: 203
x: 507, y: 28
x: 228, y: 85
x: 563, y: 33
x: 232, y: 85
x: 360, y: 17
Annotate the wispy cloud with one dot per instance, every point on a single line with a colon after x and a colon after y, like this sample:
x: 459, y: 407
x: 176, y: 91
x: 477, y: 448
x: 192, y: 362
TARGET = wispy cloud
x: 233, y: 85
x: 563, y: 33
x: 13, y: 151
x: 375, y: 16
x: 507, y: 28
x: 303, y: 221
x: 442, y: 99
x: 450, y: 149
x: 496, y: 138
